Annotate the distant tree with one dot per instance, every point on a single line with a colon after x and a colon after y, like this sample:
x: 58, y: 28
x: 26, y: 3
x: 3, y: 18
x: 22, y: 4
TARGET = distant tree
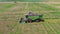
x: 15, y: 1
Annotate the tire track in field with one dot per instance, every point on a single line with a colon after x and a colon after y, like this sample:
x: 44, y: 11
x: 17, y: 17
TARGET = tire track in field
x: 52, y: 28
x: 33, y: 29
x: 46, y: 27
x: 45, y: 31
x: 26, y: 7
x: 16, y: 8
x: 39, y: 29
x: 56, y: 27
x: 49, y: 28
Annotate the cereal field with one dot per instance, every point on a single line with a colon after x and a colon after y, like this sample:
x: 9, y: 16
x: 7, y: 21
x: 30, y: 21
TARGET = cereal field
x: 10, y: 14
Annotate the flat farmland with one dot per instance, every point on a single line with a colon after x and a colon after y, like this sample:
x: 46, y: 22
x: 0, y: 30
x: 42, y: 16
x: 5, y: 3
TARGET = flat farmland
x: 10, y: 13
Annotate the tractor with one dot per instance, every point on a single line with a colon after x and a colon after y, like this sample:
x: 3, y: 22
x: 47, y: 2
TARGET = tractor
x: 32, y: 17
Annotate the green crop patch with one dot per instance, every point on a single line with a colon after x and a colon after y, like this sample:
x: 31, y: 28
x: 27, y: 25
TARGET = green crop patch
x: 39, y: 7
x: 55, y: 4
x: 47, y: 7
x: 55, y: 13
x: 4, y: 7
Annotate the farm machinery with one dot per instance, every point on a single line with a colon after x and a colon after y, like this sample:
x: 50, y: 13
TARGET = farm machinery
x: 32, y: 17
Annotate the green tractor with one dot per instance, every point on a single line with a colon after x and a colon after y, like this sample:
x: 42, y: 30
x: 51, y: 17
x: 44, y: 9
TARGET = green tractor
x: 31, y: 17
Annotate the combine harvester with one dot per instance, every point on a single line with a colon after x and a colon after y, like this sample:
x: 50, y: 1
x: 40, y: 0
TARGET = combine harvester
x: 32, y: 17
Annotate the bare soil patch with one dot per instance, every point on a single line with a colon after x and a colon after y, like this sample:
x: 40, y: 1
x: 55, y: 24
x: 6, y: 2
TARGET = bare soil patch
x: 57, y: 6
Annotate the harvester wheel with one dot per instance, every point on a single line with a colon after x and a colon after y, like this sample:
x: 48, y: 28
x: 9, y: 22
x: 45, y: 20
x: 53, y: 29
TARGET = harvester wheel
x: 38, y: 20
x: 21, y: 20
x: 28, y: 21
x: 42, y: 20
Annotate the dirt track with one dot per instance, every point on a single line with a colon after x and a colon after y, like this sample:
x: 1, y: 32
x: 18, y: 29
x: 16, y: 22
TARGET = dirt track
x: 33, y: 2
